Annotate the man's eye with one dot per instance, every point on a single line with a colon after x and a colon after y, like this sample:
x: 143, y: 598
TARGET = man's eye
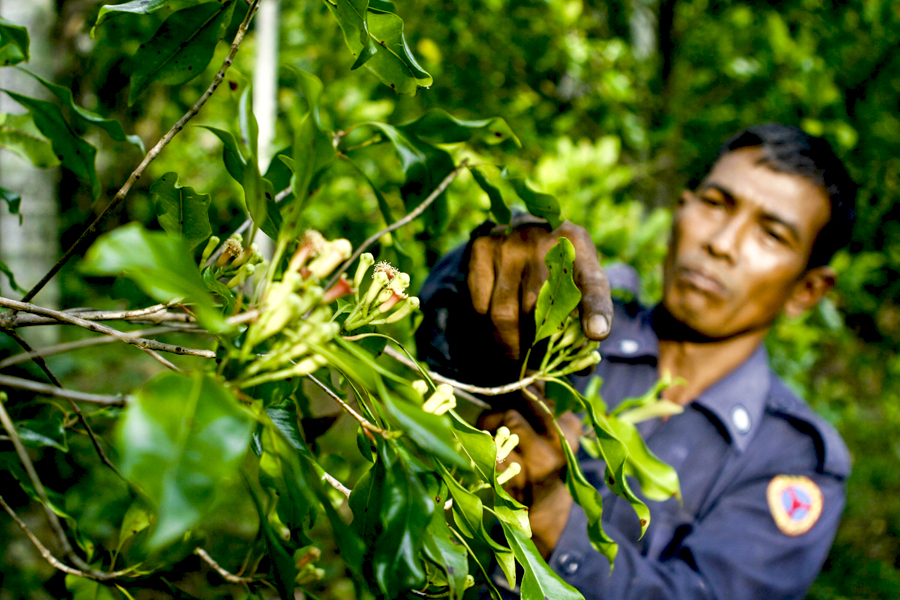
x: 776, y: 236
x: 711, y: 201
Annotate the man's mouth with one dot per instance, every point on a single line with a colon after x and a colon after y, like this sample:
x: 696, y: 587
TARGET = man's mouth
x: 702, y: 280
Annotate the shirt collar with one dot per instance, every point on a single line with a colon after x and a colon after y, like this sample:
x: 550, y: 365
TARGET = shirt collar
x: 737, y: 401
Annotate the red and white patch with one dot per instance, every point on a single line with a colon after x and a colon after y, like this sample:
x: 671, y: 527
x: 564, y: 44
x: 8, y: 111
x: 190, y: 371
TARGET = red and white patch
x: 795, y: 502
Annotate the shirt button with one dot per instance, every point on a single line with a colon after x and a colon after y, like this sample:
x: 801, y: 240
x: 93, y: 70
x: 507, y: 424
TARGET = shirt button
x: 569, y: 563
x: 629, y: 346
x: 740, y: 418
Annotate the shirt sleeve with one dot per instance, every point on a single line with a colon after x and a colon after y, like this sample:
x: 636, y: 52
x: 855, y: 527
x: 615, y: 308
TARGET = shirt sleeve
x: 736, y: 551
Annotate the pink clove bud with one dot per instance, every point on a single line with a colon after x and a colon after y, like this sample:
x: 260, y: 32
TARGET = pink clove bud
x: 342, y: 288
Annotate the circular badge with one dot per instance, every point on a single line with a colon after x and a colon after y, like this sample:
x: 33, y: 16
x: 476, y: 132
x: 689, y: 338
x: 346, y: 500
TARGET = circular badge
x: 795, y: 502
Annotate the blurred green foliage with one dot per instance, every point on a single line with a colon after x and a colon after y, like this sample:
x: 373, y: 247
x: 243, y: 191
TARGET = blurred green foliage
x: 618, y: 105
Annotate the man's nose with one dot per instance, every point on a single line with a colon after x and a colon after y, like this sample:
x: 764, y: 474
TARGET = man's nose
x: 725, y: 240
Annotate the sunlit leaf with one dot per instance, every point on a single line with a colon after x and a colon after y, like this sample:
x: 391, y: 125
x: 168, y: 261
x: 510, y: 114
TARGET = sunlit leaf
x: 440, y: 127
x: 13, y: 43
x: 181, y: 48
x: 161, y: 265
x: 136, y: 520
x: 19, y: 134
x: 499, y: 209
x: 180, y: 439
x: 142, y: 7
x: 181, y: 211
x: 658, y: 480
x: 231, y: 153
x: 88, y: 589
x: 559, y: 295
x: 538, y: 204
x: 539, y: 582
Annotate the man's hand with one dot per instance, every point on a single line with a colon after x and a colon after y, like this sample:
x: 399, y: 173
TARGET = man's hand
x: 506, y: 273
x: 539, y: 484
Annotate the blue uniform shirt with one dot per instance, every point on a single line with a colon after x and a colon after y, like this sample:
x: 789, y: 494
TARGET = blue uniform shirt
x: 762, y: 476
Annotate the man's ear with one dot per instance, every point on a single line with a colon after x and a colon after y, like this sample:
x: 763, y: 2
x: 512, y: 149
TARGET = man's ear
x: 809, y: 289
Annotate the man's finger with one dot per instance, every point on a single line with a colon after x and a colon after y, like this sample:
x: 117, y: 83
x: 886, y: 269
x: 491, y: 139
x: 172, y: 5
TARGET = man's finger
x: 596, y: 302
x: 481, y: 274
x: 504, y: 308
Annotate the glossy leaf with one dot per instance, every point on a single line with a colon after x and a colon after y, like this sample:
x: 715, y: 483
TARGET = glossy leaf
x: 82, y: 118
x: 14, y: 43
x: 231, y: 153
x: 279, y: 470
x: 395, y: 510
x: 255, y: 193
x: 539, y: 582
x: 425, y: 166
x: 180, y: 439
x: 589, y: 499
x: 181, y: 211
x: 559, y: 295
x: 499, y: 209
x: 136, y: 520
x: 181, y: 48
x: 285, y: 569
x: 73, y: 152
x: 440, y: 547
x: 440, y: 127
x: 18, y: 134
x: 38, y: 433
x: 538, y: 204
x: 377, y: 39
x: 142, y: 7
x: 88, y: 589
x: 658, y: 480
x: 161, y: 265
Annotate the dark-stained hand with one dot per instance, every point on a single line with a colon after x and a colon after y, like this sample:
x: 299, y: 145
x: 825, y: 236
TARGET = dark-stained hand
x: 506, y: 272
x: 541, y: 459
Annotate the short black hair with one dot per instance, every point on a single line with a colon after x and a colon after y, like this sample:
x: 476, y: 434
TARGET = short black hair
x: 791, y: 150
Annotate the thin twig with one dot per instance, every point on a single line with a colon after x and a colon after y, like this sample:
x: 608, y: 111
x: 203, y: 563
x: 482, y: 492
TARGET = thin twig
x: 365, y: 423
x: 55, y: 562
x: 466, y: 387
x: 51, y: 390
x: 227, y: 576
x: 92, y: 229
x: 142, y: 343
x: 336, y: 484
x: 14, y: 320
x: 39, y: 361
x: 87, y: 343
x: 400, y: 222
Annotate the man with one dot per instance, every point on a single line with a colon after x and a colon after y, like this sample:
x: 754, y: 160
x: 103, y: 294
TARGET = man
x: 762, y: 476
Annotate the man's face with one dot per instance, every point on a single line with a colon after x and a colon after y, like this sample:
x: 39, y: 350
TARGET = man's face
x: 740, y: 245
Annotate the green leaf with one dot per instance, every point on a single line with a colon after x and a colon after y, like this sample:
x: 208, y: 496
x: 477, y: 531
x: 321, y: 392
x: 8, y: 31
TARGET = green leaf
x: 73, y: 152
x: 231, y: 153
x: 13, y: 43
x: 589, y: 499
x: 19, y: 134
x: 378, y: 36
x: 39, y: 433
x: 88, y: 589
x: 559, y: 295
x: 180, y: 439
x: 136, y: 520
x: 181, y: 211
x: 395, y: 509
x: 285, y: 569
x: 247, y: 123
x: 658, y: 481
x: 162, y: 266
x: 142, y: 7
x: 442, y: 549
x: 9, y: 276
x: 304, y: 166
x: 425, y: 166
x: 181, y: 48
x: 82, y: 118
x: 440, y: 127
x: 430, y: 432
x: 13, y: 202
x: 539, y: 582
x: 220, y: 289
x: 499, y: 209
x: 255, y: 193
x: 279, y: 470
x: 538, y: 204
